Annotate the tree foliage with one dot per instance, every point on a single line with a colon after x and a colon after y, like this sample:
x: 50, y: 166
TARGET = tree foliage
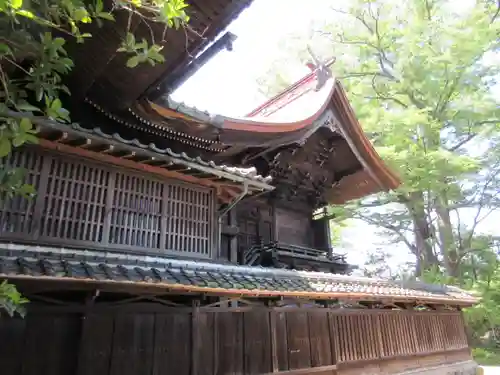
x: 34, y: 62
x: 419, y: 76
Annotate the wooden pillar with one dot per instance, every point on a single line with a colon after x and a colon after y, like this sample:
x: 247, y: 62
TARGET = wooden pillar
x: 274, y: 222
x: 274, y: 341
x: 196, y: 338
x: 233, y: 240
x: 328, y: 236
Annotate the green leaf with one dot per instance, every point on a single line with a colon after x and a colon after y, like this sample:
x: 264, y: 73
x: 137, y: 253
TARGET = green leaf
x: 130, y: 39
x: 56, y: 105
x: 5, y: 147
x: 5, y: 50
x: 25, y: 125
x: 99, y: 6
x: 106, y: 16
x: 27, y: 107
x: 133, y: 61
x: 26, y: 13
x: 58, y: 42
x: 81, y: 15
x: 19, y: 140
x: 30, y: 138
x: 27, y: 190
x: 16, y: 4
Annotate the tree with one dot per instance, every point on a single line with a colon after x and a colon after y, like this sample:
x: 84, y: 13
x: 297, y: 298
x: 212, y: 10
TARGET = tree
x: 33, y: 63
x: 418, y: 75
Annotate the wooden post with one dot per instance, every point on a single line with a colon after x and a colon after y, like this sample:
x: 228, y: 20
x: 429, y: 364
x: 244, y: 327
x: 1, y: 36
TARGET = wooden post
x: 41, y: 193
x: 379, y: 335
x: 196, y: 339
x: 233, y: 240
x: 89, y: 304
x: 274, y: 341
x: 106, y: 231
x: 274, y: 222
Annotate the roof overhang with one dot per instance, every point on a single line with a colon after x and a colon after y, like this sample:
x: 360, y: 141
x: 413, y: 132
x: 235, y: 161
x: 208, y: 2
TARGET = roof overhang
x: 290, y: 118
x: 100, y: 269
x: 93, y: 143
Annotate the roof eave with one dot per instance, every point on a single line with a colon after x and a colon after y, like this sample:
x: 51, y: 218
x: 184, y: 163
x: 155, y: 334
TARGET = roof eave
x: 135, y: 146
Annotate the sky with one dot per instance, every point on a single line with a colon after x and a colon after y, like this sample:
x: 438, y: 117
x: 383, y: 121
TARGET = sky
x: 227, y: 84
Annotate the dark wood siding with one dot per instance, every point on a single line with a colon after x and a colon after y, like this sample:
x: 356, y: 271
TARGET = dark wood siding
x: 84, y: 203
x: 156, y: 340
x: 294, y: 227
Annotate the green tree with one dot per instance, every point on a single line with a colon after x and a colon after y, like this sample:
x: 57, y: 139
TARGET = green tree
x: 419, y: 74
x: 34, y: 62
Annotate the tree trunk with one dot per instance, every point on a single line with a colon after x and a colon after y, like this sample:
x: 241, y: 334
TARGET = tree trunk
x: 422, y: 232
x: 448, y: 246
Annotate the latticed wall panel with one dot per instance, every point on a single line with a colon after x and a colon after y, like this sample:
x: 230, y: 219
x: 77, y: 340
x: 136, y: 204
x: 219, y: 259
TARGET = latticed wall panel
x: 390, y: 334
x: 74, y: 201
x: 17, y: 215
x: 79, y: 202
x: 136, y: 212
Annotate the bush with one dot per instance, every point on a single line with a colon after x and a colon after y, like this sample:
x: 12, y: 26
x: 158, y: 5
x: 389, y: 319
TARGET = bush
x: 486, y: 356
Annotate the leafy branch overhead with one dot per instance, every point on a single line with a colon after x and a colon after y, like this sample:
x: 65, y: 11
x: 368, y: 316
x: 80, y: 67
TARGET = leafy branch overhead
x: 34, y: 63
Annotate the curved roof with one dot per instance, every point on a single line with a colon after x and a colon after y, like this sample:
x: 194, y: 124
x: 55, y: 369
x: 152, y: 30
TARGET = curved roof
x: 316, y: 101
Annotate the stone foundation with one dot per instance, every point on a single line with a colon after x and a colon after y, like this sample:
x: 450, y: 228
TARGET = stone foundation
x: 461, y: 368
x: 467, y: 367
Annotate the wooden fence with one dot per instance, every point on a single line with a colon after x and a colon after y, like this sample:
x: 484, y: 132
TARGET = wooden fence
x: 132, y: 340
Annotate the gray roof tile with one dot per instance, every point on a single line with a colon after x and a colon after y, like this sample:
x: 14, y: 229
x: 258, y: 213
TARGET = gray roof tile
x: 182, y: 158
x: 101, y: 266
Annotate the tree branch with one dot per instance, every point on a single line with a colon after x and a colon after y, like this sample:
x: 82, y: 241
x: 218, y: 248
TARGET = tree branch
x: 496, y: 13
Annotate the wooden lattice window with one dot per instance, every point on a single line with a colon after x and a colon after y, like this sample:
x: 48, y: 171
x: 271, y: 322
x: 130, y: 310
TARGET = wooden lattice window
x: 74, y: 201
x: 17, y: 214
x: 136, y: 213
x: 80, y: 202
x: 189, y: 218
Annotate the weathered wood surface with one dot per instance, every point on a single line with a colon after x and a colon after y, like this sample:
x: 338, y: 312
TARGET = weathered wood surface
x: 165, y: 340
x: 85, y: 203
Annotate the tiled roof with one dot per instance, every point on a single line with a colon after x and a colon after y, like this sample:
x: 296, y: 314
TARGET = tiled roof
x: 183, y: 275
x: 249, y: 174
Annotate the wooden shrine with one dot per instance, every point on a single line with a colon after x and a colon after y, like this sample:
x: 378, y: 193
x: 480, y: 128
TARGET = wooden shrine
x: 164, y: 240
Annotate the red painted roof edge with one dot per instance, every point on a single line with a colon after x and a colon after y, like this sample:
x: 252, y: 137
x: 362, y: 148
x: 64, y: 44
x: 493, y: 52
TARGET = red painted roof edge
x: 304, y: 80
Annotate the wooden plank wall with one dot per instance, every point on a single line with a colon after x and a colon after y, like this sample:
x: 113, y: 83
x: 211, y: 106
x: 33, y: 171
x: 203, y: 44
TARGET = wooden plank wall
x: 198, y: 342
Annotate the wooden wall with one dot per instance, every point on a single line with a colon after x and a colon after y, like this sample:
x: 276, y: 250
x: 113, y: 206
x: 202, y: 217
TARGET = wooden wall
x: 294, y: 227
x: 159, y: 340
x: 84, y: 203
x: 265, y: 220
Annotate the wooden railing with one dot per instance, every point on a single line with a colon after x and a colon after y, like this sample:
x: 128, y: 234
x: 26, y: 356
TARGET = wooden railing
x: 252, y: 254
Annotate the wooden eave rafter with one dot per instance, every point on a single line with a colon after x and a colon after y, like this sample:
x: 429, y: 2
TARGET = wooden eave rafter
x: 100, y: 71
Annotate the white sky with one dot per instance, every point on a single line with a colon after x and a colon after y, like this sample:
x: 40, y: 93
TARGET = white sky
x: 227, y: 84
